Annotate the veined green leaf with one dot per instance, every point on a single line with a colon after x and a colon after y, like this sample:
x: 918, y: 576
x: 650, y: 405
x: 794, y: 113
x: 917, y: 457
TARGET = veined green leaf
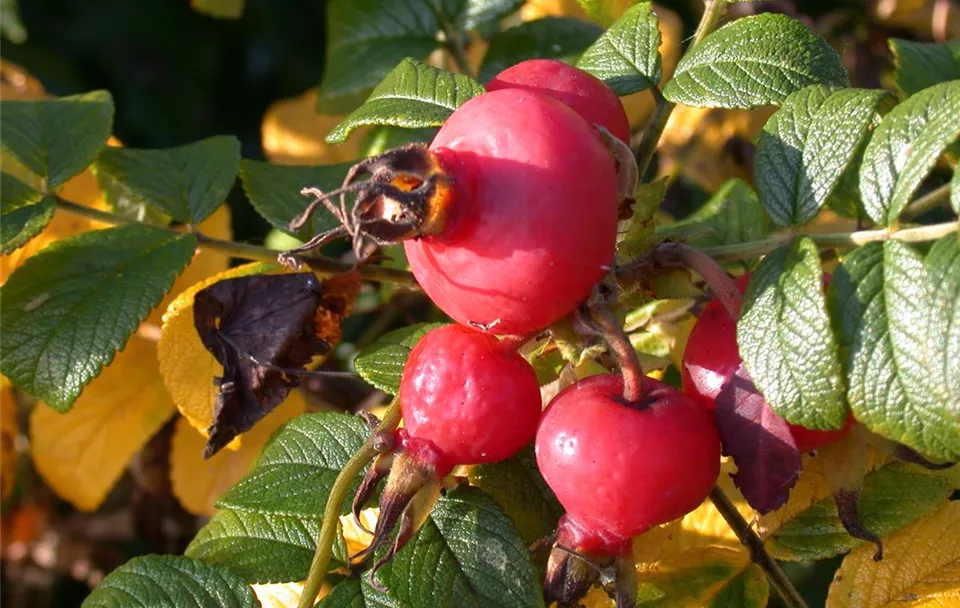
x: 942, y: 266
x: 24, y: 212
x: 627, y: 56
x: 71, y: 307
x: 381, y: 363
x: 905, y: 147
x: 563, y: 38
x: 924, y: 64
x: 754, y: 61
x: 732, y: 215
x: 807, y: 145
x: 413, y: 95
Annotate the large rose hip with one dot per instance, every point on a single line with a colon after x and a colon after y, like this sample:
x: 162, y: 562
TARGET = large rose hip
x: 474, y: 398
x: 531, y: 224
x: 712, y: 357
x: 617, y: 469
x: 586, y: 94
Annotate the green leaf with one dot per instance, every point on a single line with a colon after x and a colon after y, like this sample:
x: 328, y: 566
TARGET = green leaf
x: 171, y: 581
x: 942, y: 266
x: 222, y: 9
x: 413, y: 95
x: 955, y: 191
x: 692, y: 578
x: 750, y: 589
x: 383, y: 138
x: 905, y: 147
x: 563, y: 38
x: 754, y: 61
x: 262, y: 547
x: 24, y: 212
x: 274, y: 191
x: 517, y: 486
x: 188, y: 183
x: 11, y: 27
x: 786, y: 341
x: 365, y: 40
x: 635, y: 236
x: 921, y: 64
x: 57, y: 138
x: 627, y: 56
x: 475, y: 13
x: 807, y: 145
x: 297, y: 467
x: 732, y: 215
x: 879, y: 301
x: 381, y: 363
x: 71, y: 307
x: 466, y: 554
x: 892, y: 497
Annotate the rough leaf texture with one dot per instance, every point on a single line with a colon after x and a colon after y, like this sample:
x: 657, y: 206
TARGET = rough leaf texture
x: 171, y: 581
x: 413, y: 95
x: 24, y: 213
x: 905, y: 147
x: 70, y: 308
x: 627, y: 55
x: 880, y: 301
x: 807, y: 145
x: 923, y: 64
x: 381, y: 363
x: 786, y: 340
x: 754, y: 61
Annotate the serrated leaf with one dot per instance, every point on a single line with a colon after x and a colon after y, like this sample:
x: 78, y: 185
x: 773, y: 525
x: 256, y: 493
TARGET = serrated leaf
x: 732, y: 215
x: 905, y: 147
x: 923, y: 64
x: 262, y: 547
x: 921, y: 567
x: 188, y: 183
x: 879, y: 301
x: 171, y: 581
x: 297, y: 468
x: 365, y: 40
x: 754, y: 61
x: 942, y: 267
x: 24, y: 212
x: 627, y: 55
x: 71, y: 307
x: 274, y: 191
x: 414, y: 95
x: 381, y: 363
x: 222, y: 9
x: 635, y: 236
x: 517, y: 486
x: 786, y: 341
x: 807, y: 145
x: 57, y: 138
x: 563, y: 38
x: 466, y: 554
x: 892, y: 497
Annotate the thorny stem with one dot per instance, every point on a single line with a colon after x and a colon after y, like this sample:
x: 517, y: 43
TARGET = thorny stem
x: 713, y: 10
x: 758, y: 553
x: 319, y: 264
x: 620, y: 344
x: 925, y: 203
x: 338, y: 493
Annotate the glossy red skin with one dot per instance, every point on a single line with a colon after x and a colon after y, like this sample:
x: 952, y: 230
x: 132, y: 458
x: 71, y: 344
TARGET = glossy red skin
x: 586, y: 94
x: 618, y: 470
x: 534, y: 214
x: 711, y: 357
x: 474, y: 399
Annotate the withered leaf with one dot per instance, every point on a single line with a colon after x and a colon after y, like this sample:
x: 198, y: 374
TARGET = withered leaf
x: 768, y: 462
x: 261, y: 329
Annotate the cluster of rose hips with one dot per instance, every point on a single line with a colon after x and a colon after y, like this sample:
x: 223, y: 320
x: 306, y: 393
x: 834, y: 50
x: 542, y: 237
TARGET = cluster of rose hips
x: 509, y: 221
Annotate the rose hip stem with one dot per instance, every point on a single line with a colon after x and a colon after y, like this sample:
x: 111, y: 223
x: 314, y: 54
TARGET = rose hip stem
x: 620, y: 344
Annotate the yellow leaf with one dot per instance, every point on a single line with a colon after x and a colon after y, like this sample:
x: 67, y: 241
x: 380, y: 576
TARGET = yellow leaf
x: 920, y: 567
x: 278, y: 595
x: 705, y: 526
x: 198, y: 483
x: 9, y: 430
x: 205, y: 263
x: 356, y: 538
x: 293, y: 134
x: 691, y: 578
x: 82, y: 453
x: 187, y: 367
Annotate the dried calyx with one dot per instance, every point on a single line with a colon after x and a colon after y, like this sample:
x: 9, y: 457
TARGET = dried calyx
x: 406, y: 195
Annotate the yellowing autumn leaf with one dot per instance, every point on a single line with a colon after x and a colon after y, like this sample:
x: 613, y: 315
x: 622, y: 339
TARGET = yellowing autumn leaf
x: 278, y: 595
x: 205, y: 263
x: 198, y: 483
x: 9, y: 429
x: 293, y: 134
x: 187, y: 367
x: 920, y: 567
x: 82, y: 453
x: 356, y: 538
